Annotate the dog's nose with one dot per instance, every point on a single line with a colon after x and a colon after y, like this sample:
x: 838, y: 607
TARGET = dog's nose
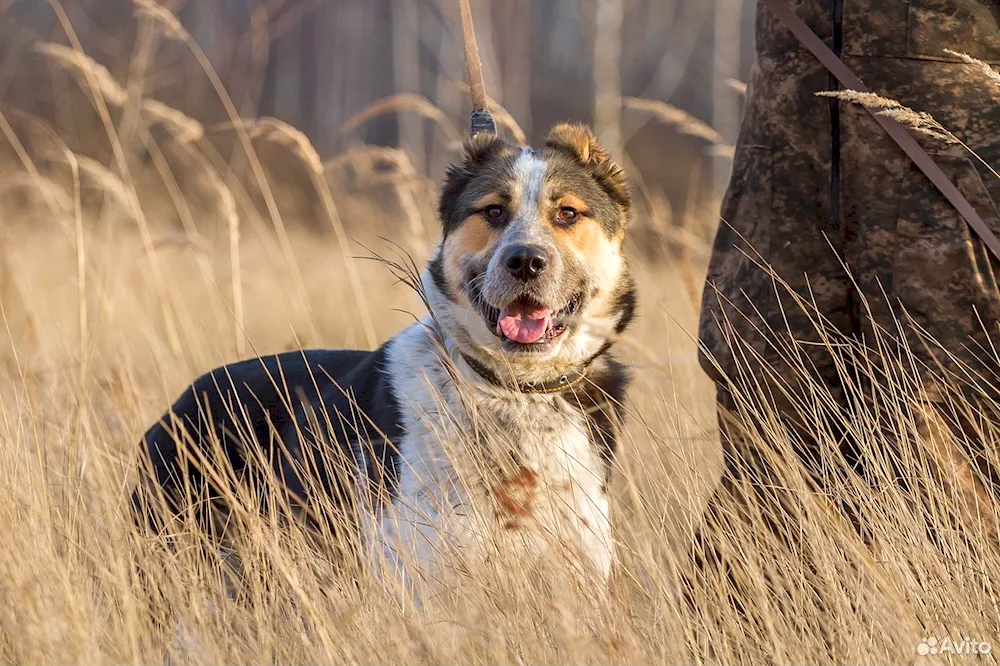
x: 526, y: 262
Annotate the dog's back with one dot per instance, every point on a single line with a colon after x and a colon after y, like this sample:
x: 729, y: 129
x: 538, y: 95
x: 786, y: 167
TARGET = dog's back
x: 299, y: 416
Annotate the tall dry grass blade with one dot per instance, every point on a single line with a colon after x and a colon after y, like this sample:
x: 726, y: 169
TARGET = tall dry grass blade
x: 81, y: 270
x: 918, y: 121
x: 985, y: 68
x: 956, y: 471
x: 143, y: 51
x: 261, y: 39
x: 367, y: 156
x: 14, y: 313
x: 97, y: 77
x: 175, y: 30
x: 281, y: 133
x: 682, y: 121
x: 180, y: 204
x: 236, y: 268
x: 403, y: 102
x: 42, y: 137
x: 285, y: 135
x: 181, y: 127
x: 227, y: 210
x: 94, y: 83
x: 368, y: 160
x: 51, y: 194
x: 182, y: 240
x: 169, y: 23
x: 105, y: 180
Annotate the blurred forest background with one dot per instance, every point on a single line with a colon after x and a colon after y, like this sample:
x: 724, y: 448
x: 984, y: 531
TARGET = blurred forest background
x: 317, y: 64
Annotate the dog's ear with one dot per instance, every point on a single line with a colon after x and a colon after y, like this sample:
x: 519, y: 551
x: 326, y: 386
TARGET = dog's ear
x: 579, y: 141
x: 476, y: 151
x: 478, y: 147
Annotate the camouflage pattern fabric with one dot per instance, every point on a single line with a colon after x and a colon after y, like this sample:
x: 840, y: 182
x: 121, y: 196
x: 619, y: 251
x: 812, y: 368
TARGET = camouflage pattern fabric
x: 856, y: 236
x: 825, y: 198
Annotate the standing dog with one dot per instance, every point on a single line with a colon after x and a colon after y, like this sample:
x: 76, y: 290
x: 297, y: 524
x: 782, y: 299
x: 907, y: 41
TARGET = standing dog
x: 492, y: 419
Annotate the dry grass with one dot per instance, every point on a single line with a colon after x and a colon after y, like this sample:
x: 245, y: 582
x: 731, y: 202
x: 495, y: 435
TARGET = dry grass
x: 404, y: 102
x: 920, y: 122
x: 989, y: 73
x: 681, y: 120
x: 94, y: 348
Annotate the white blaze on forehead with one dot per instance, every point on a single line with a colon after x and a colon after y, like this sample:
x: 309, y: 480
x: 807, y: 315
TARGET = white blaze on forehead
x: 529, y: 177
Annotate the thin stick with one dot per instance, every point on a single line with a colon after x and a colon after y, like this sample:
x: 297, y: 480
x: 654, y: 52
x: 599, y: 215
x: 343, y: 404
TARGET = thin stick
x: 477, y: 86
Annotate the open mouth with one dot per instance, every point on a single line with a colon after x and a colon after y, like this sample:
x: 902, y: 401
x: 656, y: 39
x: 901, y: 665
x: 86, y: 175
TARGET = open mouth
x: 525, y: 321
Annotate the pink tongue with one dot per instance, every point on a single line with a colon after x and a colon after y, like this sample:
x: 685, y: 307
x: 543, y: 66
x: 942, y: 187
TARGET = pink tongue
x: 524, y: 324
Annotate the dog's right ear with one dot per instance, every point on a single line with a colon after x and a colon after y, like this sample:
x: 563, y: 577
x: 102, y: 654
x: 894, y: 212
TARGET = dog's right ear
x: 476, y: 151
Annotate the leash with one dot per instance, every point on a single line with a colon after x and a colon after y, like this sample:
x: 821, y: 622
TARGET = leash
x: 897, y: 132
x: 482, y: 120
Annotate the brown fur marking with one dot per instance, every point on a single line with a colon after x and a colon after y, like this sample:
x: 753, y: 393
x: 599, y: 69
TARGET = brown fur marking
x: 491, y: 199
x: 585, y: 239
x: 473, y: 237
x: 515, y: 496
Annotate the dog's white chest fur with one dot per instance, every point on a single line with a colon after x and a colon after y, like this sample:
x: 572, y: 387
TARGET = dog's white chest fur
x: 484, y: 469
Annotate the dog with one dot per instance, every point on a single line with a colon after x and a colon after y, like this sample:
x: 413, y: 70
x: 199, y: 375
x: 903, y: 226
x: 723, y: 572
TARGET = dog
x: 492, y: 420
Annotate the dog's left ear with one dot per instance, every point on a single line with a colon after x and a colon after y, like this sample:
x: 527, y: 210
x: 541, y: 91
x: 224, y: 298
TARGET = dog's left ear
x: 579, y: 141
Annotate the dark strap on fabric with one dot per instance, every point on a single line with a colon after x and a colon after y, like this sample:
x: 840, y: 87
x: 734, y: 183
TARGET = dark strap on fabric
x: 899, y: 133
x: 557, y: 385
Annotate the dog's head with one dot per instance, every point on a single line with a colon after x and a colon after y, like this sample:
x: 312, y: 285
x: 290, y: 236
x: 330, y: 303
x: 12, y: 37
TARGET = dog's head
x: 530, y: 275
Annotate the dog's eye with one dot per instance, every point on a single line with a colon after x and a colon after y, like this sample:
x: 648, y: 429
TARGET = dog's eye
x: 495, y: 214
x: 568, y: 215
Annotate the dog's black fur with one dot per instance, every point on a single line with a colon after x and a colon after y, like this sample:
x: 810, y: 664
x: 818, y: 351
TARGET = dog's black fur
x: 276, y: 402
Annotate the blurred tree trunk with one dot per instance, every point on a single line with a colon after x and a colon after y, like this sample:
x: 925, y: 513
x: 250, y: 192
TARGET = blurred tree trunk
x: 517, y: 37
x: 332, y: 58
x: 608, y: 18
x: 447, y: 95
x: 309, y: 89
x: 406, y: 74
x: 291, y: 55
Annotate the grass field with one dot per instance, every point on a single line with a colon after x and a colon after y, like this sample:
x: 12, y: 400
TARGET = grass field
x: 122, y: 280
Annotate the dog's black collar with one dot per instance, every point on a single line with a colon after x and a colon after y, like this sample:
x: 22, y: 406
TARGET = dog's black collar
x: 562, y: 383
